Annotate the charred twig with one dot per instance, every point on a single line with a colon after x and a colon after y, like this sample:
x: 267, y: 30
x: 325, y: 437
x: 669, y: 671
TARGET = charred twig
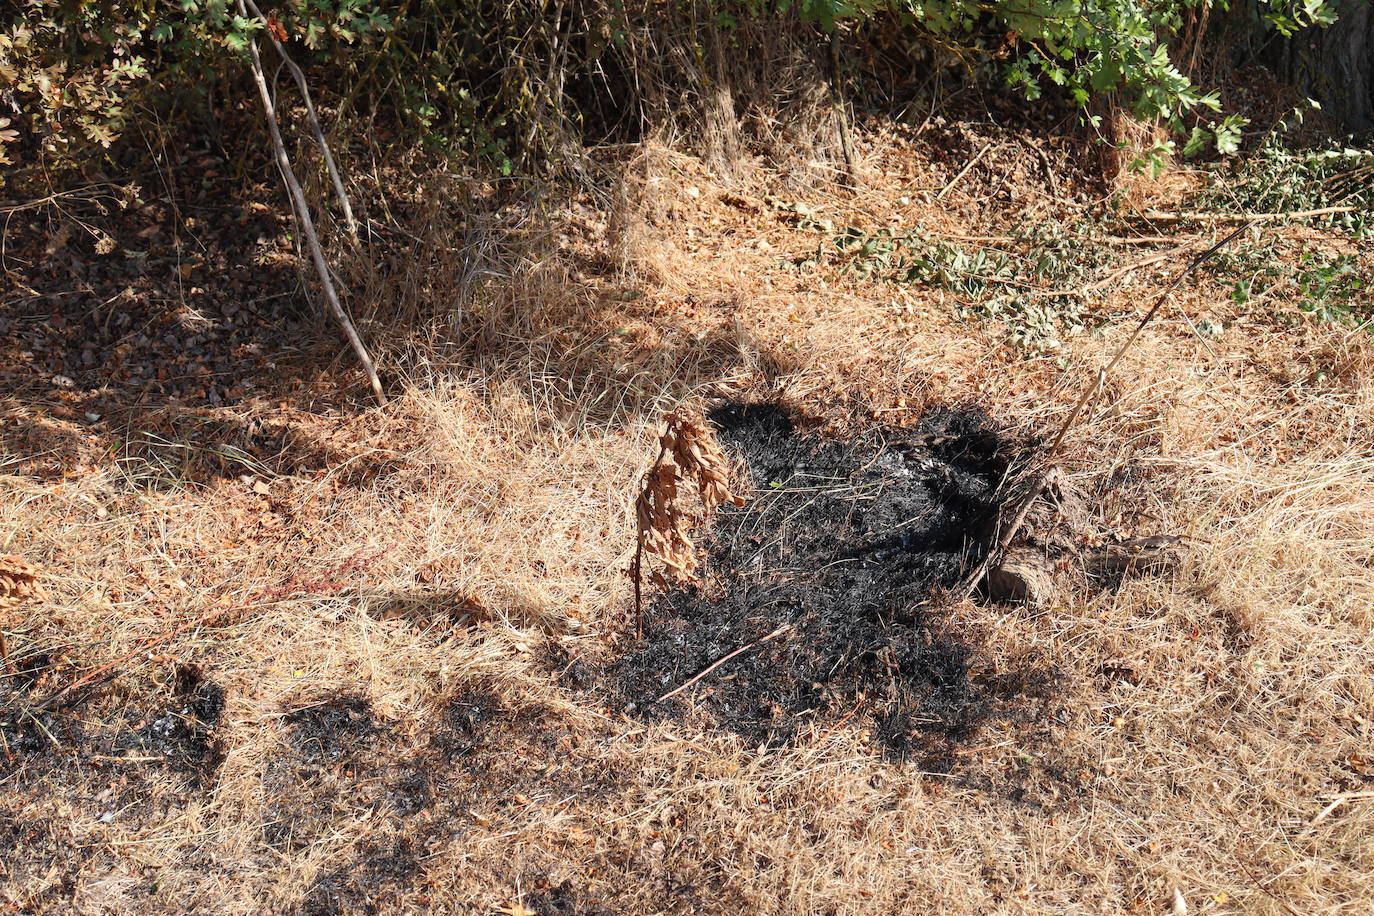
x: 971, y: 581
x: 301, y: 208
x: 716, y: 664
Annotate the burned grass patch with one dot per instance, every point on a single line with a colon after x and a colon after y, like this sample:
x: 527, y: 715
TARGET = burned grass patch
x: 176, y: 733
x: 476, y: 759
x: 830, y: 580
x: 366, y: 885
x: 183, y: 733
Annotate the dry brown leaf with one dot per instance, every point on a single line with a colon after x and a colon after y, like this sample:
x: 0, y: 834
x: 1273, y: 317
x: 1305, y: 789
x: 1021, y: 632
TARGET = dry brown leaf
x: 18, y: 581
x: 688, y: 452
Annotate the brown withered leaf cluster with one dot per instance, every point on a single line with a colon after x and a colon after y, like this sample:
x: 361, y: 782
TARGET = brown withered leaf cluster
x: 689, y: 458
x: 18, y: 581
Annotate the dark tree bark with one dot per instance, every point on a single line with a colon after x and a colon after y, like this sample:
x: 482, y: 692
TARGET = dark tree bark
x: 1335, y: 65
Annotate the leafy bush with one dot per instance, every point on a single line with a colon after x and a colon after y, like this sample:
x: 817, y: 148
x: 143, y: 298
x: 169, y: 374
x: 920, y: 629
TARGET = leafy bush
x: 504, y: 79
x: 75, y: 70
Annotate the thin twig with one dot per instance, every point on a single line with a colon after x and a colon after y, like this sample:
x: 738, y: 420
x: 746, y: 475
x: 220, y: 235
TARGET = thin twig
x: 962, y: 172
x: 314, y: 119
x: 1139, y: 263
x: 971, y: 581
x: 261, y: 598
x: 714, y: 665
x: 1244, y: 217
x: 1264, y: 888
x: 302, y: 210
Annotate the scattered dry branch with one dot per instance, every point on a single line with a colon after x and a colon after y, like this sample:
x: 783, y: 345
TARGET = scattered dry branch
x: 1244, y: 217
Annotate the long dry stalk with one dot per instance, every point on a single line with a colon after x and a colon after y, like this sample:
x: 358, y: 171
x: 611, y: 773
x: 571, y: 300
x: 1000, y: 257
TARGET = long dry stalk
x: 302, y: 210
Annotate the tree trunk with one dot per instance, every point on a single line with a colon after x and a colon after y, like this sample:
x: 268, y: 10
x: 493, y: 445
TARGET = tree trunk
x: 1335, y: 65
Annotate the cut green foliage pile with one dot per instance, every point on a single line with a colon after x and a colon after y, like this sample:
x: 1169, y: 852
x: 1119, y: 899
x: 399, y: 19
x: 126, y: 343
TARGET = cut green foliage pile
x: 1328, y: 286
x: 1278, y: 179
x: 1038, y: 283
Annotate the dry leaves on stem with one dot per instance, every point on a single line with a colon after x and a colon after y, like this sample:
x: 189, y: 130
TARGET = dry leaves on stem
x: 688, y: 451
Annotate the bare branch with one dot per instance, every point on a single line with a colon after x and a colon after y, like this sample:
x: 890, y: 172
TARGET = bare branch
x: 307, y: 224
x: 314, y: 119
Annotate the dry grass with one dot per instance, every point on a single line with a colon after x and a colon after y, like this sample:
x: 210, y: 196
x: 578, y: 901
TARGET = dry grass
x: 474, y: 539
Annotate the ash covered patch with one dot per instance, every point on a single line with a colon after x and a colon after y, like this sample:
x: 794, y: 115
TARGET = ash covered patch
x: 846, y: 545
x: 183, y: 733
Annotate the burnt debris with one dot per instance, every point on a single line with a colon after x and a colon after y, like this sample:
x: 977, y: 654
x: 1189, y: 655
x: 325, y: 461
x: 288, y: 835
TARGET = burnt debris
x: 844, y: 545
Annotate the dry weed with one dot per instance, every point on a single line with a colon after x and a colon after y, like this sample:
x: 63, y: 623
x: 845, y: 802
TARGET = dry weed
x: 688, y: 453
x: 18, y: 581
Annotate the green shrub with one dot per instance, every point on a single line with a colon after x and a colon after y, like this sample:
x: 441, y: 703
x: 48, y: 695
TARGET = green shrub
x: 75, y: 71
x: 517, y: 78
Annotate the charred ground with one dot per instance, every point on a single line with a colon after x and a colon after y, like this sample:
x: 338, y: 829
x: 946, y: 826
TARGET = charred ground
x: 847, y: 544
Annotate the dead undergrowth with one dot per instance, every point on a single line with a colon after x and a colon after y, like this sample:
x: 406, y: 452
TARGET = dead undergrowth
x: 395, y: 695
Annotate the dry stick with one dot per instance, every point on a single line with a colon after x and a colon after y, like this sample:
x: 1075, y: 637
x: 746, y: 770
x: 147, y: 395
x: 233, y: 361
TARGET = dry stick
x: 314, y: 119
x: 1137, y: 264
x: 967, y: 165
x: 714, y: 665
x: 851, y: 159
x: 1245, y: 217
x: 971, y: 581
x: 302, y: 210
